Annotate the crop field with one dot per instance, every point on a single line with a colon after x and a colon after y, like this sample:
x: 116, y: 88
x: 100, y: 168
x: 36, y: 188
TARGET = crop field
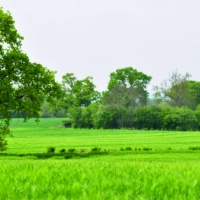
x: 98, y: 164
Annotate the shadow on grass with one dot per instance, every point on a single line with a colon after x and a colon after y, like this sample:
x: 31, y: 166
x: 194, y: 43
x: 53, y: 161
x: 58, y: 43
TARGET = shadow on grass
x: 67, y: 155
x: 70, y: 155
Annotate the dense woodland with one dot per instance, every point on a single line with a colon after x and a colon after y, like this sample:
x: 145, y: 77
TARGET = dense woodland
x: 126, y: 102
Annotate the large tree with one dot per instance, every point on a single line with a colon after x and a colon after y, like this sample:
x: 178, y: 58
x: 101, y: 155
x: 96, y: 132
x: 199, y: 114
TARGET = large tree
x: 78, y: 93
x: 23, y: 85
x: 126, y: 91
x: 178, y: 90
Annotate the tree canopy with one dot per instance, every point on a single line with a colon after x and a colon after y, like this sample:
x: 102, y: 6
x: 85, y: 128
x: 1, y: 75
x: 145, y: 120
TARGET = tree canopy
x: 24, y: 85
x: 126, y: 91
x: 128, y: 77
x: 178, y: 90
x: 78, y: 92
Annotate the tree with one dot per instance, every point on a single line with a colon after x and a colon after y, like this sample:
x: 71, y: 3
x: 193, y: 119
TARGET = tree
x: 23, y: 84
x: 179, y: 91
x: 180, y: 119
x: 78, y: 92
x: 126, y: 91
x: 128, y: 77
x: 148, y: 118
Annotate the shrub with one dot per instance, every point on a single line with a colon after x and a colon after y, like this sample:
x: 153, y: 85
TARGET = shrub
x: 72, y: 150
x: 96, y: 149
x: 194, y: 148
x: 147, y: 149
x: 51, y: 149
x: 62, y: 151
x: 122, y: 149
x: 67, y: 123
x: 128, y: 148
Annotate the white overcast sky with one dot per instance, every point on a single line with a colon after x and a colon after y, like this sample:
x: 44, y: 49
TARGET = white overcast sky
x: 96, y: 37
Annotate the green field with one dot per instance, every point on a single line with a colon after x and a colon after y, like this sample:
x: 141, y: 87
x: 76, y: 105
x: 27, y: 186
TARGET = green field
x: 161, y: 164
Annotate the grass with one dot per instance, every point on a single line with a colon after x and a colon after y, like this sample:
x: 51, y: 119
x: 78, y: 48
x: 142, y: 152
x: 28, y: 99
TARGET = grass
x: 98, y: 164
x: 30, y: 137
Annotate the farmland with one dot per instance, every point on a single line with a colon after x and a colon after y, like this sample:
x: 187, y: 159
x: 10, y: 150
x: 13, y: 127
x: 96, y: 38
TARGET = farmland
x: 130, y: 164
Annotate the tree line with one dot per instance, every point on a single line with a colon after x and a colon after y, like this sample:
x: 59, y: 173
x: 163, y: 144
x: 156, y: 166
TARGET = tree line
x: 125, y: 103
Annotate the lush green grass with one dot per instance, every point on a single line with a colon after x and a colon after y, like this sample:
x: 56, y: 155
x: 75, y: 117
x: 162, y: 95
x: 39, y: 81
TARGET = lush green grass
x: 98, y: 179
x: 169, y: 171
x: 30, y: 137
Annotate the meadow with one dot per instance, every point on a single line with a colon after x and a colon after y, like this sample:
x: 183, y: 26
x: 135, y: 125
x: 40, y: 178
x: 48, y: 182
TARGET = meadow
x: 128, y: 164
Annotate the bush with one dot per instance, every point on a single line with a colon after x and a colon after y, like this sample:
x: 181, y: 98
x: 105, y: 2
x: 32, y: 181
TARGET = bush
x: 194, y: 148
x: 147, y: 149
x: 128, y: 148
x: 51, y: 149
x: 67, y: 123
x: 62, y: 151
x: 95, y: 149
x: 72, y: 150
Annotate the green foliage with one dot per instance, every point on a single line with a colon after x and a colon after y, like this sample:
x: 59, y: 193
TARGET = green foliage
x: 106, y: 118
x: 179, y: 91
x: 62, y: 151
x: 129, y: 149
x: 194, y: 148
x: 148, y: 118
x: 197, y: 115
x: 67, y: 123
x: 78, y: 93
x: 51, y: 149
x: 146, y: 149
x: 23, y: 84
x: 72, y: 150
x: 3, y: 143
x: 75, y: 115
x: 180, y: 119
x: 96, y: 149
x: 52, y: 110
x: 126, y: 91
x: 128, y: 77
x: 3, y: 132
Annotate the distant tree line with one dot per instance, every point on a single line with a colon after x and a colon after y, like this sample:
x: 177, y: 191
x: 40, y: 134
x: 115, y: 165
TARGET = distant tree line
x: 125, y: 103
x: 143, y: 118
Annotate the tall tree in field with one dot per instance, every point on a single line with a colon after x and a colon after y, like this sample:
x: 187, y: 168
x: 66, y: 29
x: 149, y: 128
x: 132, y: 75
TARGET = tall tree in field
x: 126, y: 91
x: 23, y: 84
x: 178, y: 90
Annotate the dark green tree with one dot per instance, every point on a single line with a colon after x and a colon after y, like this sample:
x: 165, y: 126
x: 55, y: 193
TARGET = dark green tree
x: 23, y: 84
x: 78, y: 92
x: 180, y: 119
x: 126, y: 91
x: 148, y: 118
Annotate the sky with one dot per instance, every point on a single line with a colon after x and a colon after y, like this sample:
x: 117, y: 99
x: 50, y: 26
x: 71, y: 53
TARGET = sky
x: 95, y: 38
